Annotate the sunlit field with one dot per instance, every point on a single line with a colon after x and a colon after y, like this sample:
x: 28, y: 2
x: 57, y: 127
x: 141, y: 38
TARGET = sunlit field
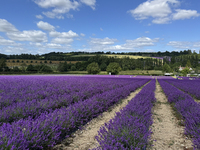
x: 38, y: 112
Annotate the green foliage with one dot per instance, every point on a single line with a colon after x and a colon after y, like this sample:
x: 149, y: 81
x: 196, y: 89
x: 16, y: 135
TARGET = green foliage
x: 62, y: 67
x: 93, y: 68
x: 23, y: 67
x: 45, y: 68
x: 188, y: 64
x: 103, y: 67
x: 175, y: 66
x: 40, y: 68
x: 185, y: 71
x: 30, y: 68
x: 166, y: 68
x: 16, y: 69
x: 2, y: 64
x: 114, y: 68
x: 73, y: 68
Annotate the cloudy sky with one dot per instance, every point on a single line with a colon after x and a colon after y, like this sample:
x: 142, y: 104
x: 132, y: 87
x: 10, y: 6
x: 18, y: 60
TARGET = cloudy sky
x: 43, y: 26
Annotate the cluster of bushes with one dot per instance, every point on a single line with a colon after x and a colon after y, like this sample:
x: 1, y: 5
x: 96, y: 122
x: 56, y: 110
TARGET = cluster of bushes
x: 31, y: 68
x: 112, y: 68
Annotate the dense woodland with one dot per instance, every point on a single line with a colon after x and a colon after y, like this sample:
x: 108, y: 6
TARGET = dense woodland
x: 172, y: 59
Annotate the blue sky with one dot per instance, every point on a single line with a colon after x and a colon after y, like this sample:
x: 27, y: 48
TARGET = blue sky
x: 43, y: 26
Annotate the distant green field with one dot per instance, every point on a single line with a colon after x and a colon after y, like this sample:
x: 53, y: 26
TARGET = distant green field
x: 141, y: 72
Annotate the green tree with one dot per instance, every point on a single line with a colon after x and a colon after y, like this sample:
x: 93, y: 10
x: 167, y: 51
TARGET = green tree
x: 114, y: 68
x: 175, y: 66
x: 16, y: 69
x: 73, y: 68
x: 2, y: 64
x: 45, y: 68
x: 188, y: 64
x: 103, y: 67
x: 30, y: 68
x: 93, y: 68
x: 62, y: 67
x: 166, y: 68
x: 185, y: 71
x: 23, y: 67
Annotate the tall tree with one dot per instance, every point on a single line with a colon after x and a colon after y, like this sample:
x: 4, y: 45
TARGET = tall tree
x: 2, y: 63
x: 93, y: 68
x: 114, y: 68
x: 166, y: 68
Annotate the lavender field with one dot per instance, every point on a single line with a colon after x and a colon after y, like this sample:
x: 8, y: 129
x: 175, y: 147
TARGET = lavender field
x: 38, y: 112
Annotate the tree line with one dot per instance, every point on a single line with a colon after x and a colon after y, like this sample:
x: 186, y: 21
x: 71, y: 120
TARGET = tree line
x: 71, y: 56
x: 101, y: 63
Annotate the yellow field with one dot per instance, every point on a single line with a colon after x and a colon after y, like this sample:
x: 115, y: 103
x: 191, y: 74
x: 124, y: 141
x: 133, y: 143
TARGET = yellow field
x: 122, y: 56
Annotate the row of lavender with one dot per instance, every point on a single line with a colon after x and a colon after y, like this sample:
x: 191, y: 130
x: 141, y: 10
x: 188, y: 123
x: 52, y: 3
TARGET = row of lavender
x: 130, y: 128
x: 25, y: 88
x: 188, y: 109
x: 71, y: 90
x: 48, y: 128
x: 189, y: 86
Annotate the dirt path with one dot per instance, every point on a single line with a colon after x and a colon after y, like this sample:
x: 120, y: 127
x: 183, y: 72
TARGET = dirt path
x: 167, y: 133
x: 85, y: 139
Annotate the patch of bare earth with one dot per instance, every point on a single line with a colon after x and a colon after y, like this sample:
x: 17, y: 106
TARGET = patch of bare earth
x: 167, y: 133
x: 85, y: 139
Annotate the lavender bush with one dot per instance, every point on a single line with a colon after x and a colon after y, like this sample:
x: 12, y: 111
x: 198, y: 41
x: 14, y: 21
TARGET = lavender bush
x: 189, y: 86
x: 50, y: 127
x: 78, y: 90
x: 187, y: 108
x: 129, y: 130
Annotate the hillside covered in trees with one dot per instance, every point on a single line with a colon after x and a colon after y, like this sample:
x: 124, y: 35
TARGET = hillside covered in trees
x: 79, y: 61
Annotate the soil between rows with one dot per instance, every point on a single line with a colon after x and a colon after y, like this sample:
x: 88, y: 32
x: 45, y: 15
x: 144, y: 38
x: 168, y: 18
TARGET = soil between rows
x: 167, y: 133
x: 85, y: 139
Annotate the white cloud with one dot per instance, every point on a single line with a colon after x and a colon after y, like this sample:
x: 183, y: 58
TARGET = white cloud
x: 15, y: 50
x: 117, y: 47
x: 107, y: 44
x: 69, y: 16
x: 62, y: 40
x: 82, y: 34
x: 53, y: 46
x: 163, y: 20
x: 52, y: 15
x: 161, y: 11
x: 105, y: 41
x: 39, y: 16
x: 153, y: 8
x: 101, y: 29
x: 6, y: 26
x: 180, y: 44
x: 140, y: 42
x: 16, y: 35
x: 185, y: 14
x: 197, y: 44
x: 131, y: 45
x: 45, y: 26
x: 62, y: 7
x: 8, y: 42
x: 69, y: 34
x: 36, y: 44
x: 64, y: 4
x: 32, y: 35
x: 90, y: 3
x: 184, y: 44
